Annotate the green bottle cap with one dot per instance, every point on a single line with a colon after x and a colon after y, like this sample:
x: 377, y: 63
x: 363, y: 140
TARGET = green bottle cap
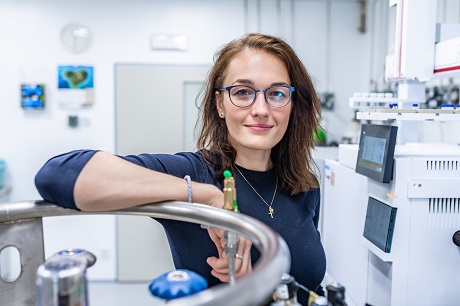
x: 227, y: 174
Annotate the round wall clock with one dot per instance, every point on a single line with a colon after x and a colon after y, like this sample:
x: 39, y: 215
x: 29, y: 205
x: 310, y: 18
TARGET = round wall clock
x: 76, y: 38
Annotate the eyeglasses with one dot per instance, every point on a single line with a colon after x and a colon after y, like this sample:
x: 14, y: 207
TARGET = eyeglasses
x: 244, y: 96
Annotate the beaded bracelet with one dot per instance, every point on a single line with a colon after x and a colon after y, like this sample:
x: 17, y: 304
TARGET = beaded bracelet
x: 189, y: 187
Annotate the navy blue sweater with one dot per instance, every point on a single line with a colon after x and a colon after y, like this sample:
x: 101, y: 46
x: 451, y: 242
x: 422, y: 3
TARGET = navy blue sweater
x: 295, y: 218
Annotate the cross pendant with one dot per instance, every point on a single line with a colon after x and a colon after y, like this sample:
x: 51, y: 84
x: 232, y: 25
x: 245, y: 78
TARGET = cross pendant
x: 271, y: 211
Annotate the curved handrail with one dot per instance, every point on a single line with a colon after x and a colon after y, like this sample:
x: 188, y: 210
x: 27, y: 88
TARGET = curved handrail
x: 274, y: 254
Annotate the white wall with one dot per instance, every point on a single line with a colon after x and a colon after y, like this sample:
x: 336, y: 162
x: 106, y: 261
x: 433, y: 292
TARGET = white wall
x: 324, y: 33
x: 31, y: 51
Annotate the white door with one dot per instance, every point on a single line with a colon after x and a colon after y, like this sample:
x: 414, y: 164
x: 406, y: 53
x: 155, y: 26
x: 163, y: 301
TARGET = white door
x: 155, y: 113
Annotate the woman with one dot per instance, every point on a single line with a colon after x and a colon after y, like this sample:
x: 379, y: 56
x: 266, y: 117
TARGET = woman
x: 259, y: 114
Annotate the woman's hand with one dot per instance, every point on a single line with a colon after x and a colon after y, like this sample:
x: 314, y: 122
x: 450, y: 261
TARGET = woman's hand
x: 207, y: 194
x: 213, y: 196
x: 219, y: 265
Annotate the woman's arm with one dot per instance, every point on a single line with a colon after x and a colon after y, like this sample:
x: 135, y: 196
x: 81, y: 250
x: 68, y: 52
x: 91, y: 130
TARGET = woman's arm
x: 108, y: 182
x: 100, y: 181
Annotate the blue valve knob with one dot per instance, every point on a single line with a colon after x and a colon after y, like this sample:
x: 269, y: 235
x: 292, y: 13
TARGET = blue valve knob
x: 176, y: 284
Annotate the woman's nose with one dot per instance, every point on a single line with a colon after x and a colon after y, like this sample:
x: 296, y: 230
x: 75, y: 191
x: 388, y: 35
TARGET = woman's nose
x: 260, y: 106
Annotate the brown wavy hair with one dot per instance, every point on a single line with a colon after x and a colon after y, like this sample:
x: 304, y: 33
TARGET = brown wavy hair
x: 291, y: 157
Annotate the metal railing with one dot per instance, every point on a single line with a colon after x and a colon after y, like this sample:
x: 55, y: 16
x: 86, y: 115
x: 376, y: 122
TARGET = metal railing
x: 21, y: 227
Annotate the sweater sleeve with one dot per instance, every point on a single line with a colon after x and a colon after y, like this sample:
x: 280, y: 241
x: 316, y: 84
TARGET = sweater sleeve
x: 55, y: 181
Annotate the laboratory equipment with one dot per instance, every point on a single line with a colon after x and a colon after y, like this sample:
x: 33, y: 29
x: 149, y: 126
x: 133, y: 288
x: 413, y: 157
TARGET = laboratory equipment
x: 335, y: 293
x: 379, y: 224
x: 421, y: 206
x: 345, y: 194
x: 286, y: 294
x: 21, y: 226
x: 392, y: 242
x: 423, y: 257
x: 376, y: 151
x: 231, y: 238
x: 176, y: 284
x: 61, y: 280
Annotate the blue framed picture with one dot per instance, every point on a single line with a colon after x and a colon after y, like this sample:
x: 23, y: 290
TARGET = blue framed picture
x: 33, y: 96
x: 75, y: 77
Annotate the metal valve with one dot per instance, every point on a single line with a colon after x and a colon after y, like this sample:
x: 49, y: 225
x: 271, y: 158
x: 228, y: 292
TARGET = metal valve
x: 61, y: 280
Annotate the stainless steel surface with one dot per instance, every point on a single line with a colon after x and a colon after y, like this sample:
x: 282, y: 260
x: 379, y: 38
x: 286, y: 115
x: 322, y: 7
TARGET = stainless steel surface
x: 61, y: 280
x: 88, y: 258
x: 250, y: 290
x: 231, y: 247
x: 27, y: 236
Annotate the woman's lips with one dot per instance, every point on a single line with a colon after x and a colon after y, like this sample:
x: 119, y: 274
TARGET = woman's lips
x: 259, y: 127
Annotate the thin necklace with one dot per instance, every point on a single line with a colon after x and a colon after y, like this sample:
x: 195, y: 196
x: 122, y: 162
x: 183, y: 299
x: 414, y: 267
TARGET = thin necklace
x: 271, y: 211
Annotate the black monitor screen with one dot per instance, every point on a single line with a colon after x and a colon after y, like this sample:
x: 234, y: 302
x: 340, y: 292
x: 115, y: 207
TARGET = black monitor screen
x: 376, y: 152
x: 379, y: 224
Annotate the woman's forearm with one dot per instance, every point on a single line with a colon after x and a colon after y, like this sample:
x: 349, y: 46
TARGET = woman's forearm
x: 108, y: 182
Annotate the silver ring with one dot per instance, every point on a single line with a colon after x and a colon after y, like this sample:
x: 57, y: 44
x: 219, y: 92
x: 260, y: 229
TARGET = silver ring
x: 238, y: 256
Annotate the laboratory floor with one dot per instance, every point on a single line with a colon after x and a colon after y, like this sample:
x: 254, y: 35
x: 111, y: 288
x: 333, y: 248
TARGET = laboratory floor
x: 121, y: 294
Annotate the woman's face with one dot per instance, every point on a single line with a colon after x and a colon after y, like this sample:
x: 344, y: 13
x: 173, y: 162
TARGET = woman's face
x: 259, y: 126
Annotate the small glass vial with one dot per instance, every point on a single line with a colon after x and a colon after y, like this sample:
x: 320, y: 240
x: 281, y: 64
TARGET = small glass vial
x: 447, y: 106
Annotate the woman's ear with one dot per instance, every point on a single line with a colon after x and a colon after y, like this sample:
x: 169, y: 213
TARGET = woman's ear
x: 219, y: 104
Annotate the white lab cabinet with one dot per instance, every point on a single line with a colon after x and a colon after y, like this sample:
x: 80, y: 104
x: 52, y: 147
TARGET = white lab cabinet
x: 344, y: 209
x: 422, y: 266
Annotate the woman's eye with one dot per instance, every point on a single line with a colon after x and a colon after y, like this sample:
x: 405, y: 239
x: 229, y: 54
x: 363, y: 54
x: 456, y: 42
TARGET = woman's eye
x: 278, y: 94
x: 242, y: 92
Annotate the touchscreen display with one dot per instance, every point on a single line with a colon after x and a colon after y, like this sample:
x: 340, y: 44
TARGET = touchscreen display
x: 373, y: 153
x: 376, y: 152
x: 379, y: 224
